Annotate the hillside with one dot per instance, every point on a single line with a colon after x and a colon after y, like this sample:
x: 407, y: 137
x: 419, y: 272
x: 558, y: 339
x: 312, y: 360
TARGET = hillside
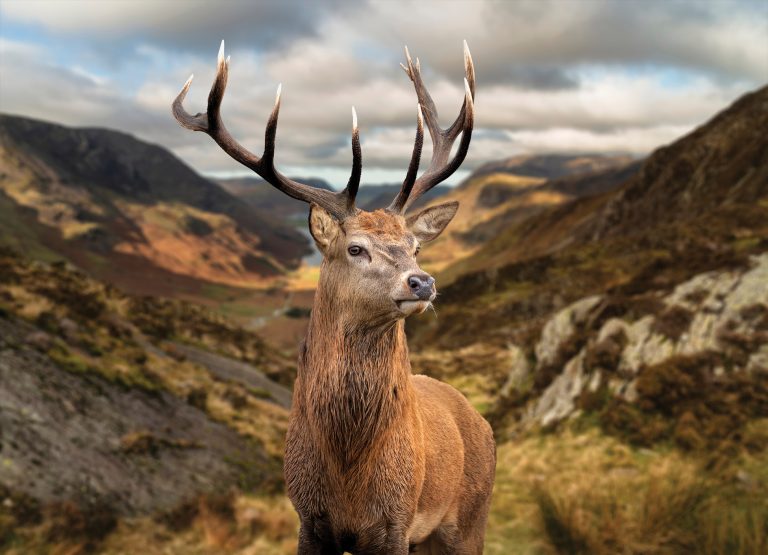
x: 499, y: 194
x: 116, y: 407
x: 130, y: 212
x: 699, y: 200
x: 553, y: 166
x: 260, y: 195
x: 618, y: 344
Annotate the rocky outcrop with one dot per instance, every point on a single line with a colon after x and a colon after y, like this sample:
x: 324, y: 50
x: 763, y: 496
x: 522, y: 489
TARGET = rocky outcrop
x: 79, y: 437
x: 722, y: 316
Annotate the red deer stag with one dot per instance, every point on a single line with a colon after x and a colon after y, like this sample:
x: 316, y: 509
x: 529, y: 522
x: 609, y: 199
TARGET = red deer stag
x: 377, y: 460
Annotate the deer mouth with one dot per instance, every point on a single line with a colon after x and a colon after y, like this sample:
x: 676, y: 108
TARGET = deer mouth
x: 412, y: 306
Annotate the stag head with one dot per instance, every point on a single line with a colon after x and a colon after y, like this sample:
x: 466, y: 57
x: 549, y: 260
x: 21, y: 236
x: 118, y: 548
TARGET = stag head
x: 369, y: 258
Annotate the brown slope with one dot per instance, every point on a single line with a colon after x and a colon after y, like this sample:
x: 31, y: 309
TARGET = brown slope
x: 258, y: 194
x: 502, y: 193
x: 697, y: 205
x: 100, y: 409
x: 553, y: 166
x: 131, y: 208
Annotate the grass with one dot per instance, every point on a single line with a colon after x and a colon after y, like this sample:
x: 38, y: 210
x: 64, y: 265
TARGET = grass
x: 583, y: 492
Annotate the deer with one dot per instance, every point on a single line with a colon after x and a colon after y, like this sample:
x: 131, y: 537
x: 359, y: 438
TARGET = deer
x: 377, y: 459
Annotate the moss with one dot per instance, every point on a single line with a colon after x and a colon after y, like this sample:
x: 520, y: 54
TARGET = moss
x: 180, y: 517
x: 663, y: 386
x: 259, y: 393
x: 594, y: 401
x: 683, y: 401
x: 568, y: 349
x: 255, y: 474
x: 85, y: 525
x: 23, y: 509
x: 627, y: 421
x: 198, y: 398
x: 48, y: 321
x: 68, y: 361
x: 673, y: 322
x: 236, y: 399
x: 73, y: 362
x: 606, y: 354
x: 146, y: 443
x: 687, y: 432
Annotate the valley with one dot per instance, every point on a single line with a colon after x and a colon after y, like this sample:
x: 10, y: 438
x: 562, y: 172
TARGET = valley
x: 608, y: 315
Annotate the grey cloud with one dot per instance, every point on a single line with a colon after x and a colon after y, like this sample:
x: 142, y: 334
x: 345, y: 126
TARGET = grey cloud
x: 527, y: 57
x: 112, y: 27
x: 536, y: 77
x: 719, y: 39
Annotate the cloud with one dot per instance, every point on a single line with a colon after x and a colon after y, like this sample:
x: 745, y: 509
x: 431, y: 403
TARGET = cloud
x: 552, y: 76
x: 190, y: 25
x: 726, y: 39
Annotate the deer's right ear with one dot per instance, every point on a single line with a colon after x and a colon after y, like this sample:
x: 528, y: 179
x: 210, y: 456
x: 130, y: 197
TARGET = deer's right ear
x: 323, y: 227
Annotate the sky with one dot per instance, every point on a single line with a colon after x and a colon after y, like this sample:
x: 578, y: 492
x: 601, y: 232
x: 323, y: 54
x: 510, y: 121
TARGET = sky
x: 553, y: 76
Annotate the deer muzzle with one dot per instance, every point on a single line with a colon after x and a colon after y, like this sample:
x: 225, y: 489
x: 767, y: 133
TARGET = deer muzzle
x: 422, y: 286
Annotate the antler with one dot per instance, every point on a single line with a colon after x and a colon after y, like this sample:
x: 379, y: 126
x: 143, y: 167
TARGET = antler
x: 440, y: 168
x: 340, y: 204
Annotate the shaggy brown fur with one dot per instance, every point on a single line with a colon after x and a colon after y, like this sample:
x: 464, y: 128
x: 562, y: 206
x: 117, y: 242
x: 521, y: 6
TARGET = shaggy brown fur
x: 379, y: 460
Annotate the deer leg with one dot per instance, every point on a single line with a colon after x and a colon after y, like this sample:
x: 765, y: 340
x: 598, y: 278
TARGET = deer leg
x: 315, y: 538
x: 447, y: 540
x: 394, y: 543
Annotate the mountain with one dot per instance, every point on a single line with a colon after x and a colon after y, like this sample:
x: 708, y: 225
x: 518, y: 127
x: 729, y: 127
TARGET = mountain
x: 115, y: 406
x: 618, y: 345
x: 373, y: 197
x: 696, y: 200
x: 553, y: 166
x: 664, y: 274
x: 260, y: 195
x: 501, y: 193
x: 131, y: 212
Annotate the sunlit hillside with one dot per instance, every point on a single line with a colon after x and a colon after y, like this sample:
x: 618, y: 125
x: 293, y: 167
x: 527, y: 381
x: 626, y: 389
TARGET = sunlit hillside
x: 608, y: 316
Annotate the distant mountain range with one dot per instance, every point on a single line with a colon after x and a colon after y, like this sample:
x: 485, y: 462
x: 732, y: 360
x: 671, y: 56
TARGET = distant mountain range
x: 130, y: 212
x: 553, y: 166
x: 697, y: 205
x: 262, y: 196
x: 501, y: 193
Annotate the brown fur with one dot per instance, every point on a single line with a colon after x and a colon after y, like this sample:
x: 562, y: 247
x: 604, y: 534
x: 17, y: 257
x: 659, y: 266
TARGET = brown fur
x: 376, y: 458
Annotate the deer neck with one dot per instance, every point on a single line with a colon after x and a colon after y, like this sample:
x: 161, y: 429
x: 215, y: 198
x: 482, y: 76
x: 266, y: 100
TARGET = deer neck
x: 354, y: 378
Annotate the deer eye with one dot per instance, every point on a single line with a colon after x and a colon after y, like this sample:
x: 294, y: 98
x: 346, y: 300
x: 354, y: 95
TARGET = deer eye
x: 418, y: 250
x: 354, y: 250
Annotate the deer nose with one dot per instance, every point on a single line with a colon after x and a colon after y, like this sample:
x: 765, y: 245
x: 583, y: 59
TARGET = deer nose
x: 421, y: 285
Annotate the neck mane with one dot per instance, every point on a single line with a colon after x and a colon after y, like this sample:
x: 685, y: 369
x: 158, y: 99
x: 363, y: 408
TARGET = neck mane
x: 354, y: 378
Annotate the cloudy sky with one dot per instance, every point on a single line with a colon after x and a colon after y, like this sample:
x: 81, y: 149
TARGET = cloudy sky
x: 553, y: 76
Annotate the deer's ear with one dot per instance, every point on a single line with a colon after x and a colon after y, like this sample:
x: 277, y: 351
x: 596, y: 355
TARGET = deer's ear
x: 430, y: 222
x: 323, y: 227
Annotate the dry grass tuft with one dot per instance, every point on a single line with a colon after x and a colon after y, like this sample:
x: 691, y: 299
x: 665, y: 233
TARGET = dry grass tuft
x: 587, y: 493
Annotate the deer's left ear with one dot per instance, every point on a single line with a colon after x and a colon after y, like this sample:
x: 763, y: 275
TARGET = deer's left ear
x: 430, y: 222
x: 323, y: 227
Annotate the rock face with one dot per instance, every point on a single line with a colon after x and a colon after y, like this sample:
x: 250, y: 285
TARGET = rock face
x: 152, y: 450
x: 719, y: 315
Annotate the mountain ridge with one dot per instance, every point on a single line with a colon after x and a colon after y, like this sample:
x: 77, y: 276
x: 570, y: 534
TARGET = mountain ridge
x: 130, y: 204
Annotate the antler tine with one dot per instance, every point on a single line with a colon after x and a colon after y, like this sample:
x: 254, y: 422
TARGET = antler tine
x: 440, y: 168
x: 357, y: 164
x: 410, y: 178
x: 340, y: 205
